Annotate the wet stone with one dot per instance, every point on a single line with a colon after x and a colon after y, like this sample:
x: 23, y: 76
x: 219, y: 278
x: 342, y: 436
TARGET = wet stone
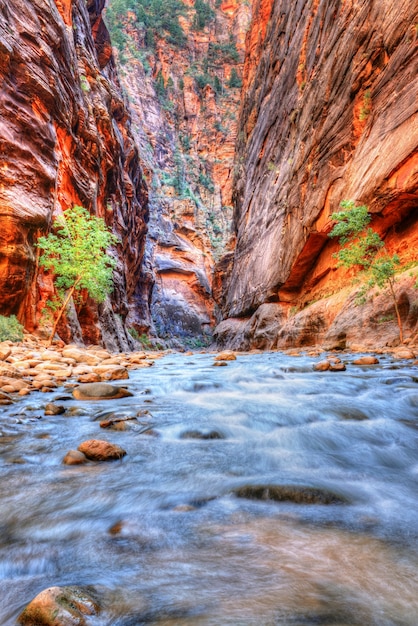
x: 118, y: 423
x: 289, y: 493
x: 322, y: 366
x: 74, y: 457
x: 220, y: 364
x: 98, y: 450
x: 5, y: 398
x: 337, y: 367
x: 60, y: 606
x: 197, y: 434
x: 226, y: 356
x: 100, y: 391
x: 366, y: 360
x: 54, y: 409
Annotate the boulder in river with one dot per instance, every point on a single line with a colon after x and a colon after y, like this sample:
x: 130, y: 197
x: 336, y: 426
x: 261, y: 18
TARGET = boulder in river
x: 227, y: 355
x: 289, y: 493
x: 322, y: 366
x: 98, y: 450
x: 100, y: 391
x: 59, y: 606
x: 54, y: 409
x: 74, y: 457
x: 366, y: 360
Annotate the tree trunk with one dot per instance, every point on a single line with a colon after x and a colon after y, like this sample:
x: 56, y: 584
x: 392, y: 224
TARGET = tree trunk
x: 61, y: 311
x: 398, y: 315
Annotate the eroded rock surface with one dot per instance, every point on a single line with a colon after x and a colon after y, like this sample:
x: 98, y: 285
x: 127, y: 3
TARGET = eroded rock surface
x: 65, y: 140
x: 329, y: 112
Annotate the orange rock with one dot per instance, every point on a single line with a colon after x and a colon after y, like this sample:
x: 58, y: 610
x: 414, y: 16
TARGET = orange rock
x: 322, y: 366
x: 366, y: 360
x: 59, y: 606
x: 98, y: 450
x: 226, y: 356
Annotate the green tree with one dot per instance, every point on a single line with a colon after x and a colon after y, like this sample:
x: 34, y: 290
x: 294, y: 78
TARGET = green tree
x: 10, y: 328
x: 203, y: 16
x: 363, y: 247
x: 235, y: 81
x: 76, y: 253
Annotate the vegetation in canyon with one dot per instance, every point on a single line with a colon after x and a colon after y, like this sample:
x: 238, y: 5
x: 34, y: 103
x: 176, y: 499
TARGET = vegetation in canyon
x: 362, y: 247
x: 76, y: 252
x: 10, y: 328
x: 184, y: 96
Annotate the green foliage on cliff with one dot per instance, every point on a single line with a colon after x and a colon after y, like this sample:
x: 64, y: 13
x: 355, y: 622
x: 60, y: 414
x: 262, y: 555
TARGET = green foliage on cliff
x: 363, y: 247
x: 76, y: 253
x: 224, y: 52
x: 159, y: 19
x: 10, y: 328
x: 203, y: 16
x: 235, y: 81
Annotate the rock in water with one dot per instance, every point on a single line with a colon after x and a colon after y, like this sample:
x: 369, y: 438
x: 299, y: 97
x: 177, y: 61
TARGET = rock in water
x: 59, y: 606
x: 98, y: 450
x: 289, y: 493
x: 54, y: 409
x: 74, y: 457
x: 366, y: 360
x: 100, y: 391
x: 227, y: 355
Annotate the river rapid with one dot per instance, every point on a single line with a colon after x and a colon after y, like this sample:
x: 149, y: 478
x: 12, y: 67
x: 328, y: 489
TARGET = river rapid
x: 170, y: 534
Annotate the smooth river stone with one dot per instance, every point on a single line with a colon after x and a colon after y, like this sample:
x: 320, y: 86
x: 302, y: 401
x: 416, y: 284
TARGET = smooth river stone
x: 59, y: 606
x: 98, y: 450
x: 366, y: 360
x: 100, y: 391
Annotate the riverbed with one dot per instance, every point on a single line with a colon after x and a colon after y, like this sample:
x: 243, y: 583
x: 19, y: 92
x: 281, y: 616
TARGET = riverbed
x: 183, y: 531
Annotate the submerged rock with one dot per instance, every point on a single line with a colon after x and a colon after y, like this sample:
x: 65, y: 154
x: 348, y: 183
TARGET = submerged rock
x: 59, y: 606
x: 54, y: 409
x: 98, y: 450
x: 118, y: 423
x: 197, y: 434
x: 74, y: 457
x: 289, y: 493
x: 100, y: 391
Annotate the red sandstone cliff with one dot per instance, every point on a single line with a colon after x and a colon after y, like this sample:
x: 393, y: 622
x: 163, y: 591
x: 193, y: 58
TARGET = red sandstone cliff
x: 64, y: 140
x: 329, y: 112
x: 184, y: 110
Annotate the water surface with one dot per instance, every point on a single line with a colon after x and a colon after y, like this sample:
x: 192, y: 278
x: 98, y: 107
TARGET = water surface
x: 162, y: 535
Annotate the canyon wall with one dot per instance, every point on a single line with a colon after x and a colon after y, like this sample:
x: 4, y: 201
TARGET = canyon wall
x: 183, y: 82
x: 65, y: 139
x: 329, y: 113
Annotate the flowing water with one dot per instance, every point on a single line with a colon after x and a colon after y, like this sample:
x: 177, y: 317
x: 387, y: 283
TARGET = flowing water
x: 165, y: 536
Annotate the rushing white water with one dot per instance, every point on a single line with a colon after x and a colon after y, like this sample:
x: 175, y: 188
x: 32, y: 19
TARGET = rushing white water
x: 162, y: 534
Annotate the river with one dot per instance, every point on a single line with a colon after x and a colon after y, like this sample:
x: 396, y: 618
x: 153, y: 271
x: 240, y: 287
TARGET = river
x: 169, y: 535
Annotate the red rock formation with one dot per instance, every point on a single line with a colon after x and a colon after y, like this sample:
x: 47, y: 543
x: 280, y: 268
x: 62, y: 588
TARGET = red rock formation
x: 329, y: 113
x: 64, y: 140
x: 184, y: 119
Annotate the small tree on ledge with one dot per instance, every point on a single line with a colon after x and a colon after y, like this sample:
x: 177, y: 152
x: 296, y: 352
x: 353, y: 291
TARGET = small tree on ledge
x: 76, y: 253
x: 363, y: 247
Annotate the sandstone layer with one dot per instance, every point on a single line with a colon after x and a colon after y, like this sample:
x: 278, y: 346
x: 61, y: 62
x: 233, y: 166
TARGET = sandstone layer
x: 329, y: 113
x: 184, y: 95
x: 65, y: 140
